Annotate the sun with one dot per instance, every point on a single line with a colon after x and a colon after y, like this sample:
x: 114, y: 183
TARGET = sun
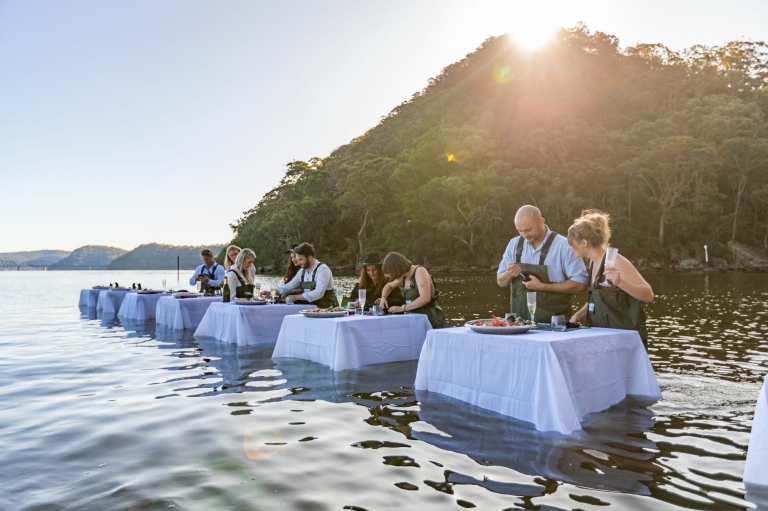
x: 531, y: 26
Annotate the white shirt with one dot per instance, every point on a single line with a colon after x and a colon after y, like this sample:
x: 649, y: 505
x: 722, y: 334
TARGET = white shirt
x: 323, y: 282
x: 233, y: 281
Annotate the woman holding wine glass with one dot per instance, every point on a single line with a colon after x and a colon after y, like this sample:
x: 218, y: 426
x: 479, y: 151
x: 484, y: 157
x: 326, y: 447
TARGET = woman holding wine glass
x: 418, y: 289
x: 616, y: 289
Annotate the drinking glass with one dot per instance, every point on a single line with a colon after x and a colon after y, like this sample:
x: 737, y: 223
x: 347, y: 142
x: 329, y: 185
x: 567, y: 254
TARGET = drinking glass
x: 340, y: 295
x: 361, y: 295
x: 407, y: 303
x: 163, y: 284
x: 558, y: 323
x: 199, y: 286
x: 274, y: 295
x: 531, y: 298
x: 375, y: 310
x: 610, y: 260
x: 266, y: 288
x: 257, y: 290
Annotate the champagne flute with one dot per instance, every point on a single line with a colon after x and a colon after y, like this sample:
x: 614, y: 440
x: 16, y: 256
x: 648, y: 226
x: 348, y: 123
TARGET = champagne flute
x: 531, y: 298
x: 163, y: 285
x: 340, y: 295
x: 610, y: 260
x: 199, y: 286
x: 256, y: 290
x: 266, y: 289
x: 274, y: 294
x: 361, y: 295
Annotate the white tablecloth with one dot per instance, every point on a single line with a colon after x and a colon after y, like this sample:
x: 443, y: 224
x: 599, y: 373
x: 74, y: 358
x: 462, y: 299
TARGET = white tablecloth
x: 756, y: 469
x: 90, y: 297
x: 184, y: 313
x: 245, y: 324
x: 139, y: 306
x: 110, y: 301
x: 552, y: 379
x: 352, y: 341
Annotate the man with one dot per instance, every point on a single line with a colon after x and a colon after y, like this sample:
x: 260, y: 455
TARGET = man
x: 210, y: 274
x: 540, y: 260
x: 312, y: 284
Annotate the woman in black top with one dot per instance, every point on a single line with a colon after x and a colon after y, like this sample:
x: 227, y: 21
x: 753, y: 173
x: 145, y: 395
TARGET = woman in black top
x: 372, y: 279
x: 418, y: 289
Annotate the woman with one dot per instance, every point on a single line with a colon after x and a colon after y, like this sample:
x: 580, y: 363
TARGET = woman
x: 372, y: 279
x: 418, y: 289
x: 615, y: 293
x: 229, y: 259
x: 292, y: 268
x: 240, y: 275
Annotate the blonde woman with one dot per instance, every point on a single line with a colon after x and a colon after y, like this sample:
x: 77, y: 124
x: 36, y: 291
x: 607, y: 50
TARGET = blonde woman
x: 616, y: 293
x: 240, y: 275
x: 231, y: 255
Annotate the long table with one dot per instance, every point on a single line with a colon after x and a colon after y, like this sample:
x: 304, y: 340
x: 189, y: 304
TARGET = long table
x: 245, y: 324
x: 756, y: 469
x: 110, y: 301
x: 90, y: 297
x: 183, y: 313
x: 140, y: 306
x: 552, y: 379
x: 352, y: 341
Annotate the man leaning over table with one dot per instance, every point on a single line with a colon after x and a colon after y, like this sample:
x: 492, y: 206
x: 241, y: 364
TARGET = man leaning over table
x: 210, y: 274
x: 539, y: 260
x: 312, y: 284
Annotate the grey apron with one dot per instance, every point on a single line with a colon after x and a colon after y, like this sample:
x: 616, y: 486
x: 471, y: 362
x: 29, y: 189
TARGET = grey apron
x: 548, y: 303
x: 207, y: 289
x: 611, y: 307
x: 433, y: 311
x: 244, y: 290
x: 329, y: 297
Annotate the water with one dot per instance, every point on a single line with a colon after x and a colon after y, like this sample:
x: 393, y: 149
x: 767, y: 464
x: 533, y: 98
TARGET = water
x: 98, y: 415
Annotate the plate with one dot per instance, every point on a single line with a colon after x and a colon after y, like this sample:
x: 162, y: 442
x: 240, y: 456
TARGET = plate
x: 338, y: 314
x: 497, y: 330
x: 149, y: 292
x: 251, y: 302
x: 186, y: 295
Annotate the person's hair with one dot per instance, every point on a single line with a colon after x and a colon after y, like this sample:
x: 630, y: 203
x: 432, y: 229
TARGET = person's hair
x: 365, y: 282
x: 206, y: 252
x: 593, y: 226
x: 242, y: 256
x: 396, y: 265
x: 290, y: 271
x: 227, y: 262
x: 305, y: 249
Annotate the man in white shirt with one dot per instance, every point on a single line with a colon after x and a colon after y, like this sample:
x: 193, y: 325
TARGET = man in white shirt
x: 313, y: 283
x: 210, y: 274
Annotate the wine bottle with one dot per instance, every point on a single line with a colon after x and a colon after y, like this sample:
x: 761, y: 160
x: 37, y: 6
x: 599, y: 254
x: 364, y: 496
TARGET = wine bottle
x: 225, y: 293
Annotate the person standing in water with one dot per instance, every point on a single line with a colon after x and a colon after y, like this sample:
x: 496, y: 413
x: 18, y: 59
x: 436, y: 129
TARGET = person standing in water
x: 617, y: 293
x: 539, y: 260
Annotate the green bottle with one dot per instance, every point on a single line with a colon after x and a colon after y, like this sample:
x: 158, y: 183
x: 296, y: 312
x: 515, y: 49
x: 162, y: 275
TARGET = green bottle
x: 225, y: 293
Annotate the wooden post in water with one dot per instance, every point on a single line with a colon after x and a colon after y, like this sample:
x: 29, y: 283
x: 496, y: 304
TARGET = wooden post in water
x: 178, y: 265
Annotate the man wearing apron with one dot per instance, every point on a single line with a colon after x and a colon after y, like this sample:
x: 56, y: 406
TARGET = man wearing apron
x: 539, y: 260
x: 210, y: 274
x: 312, y: 284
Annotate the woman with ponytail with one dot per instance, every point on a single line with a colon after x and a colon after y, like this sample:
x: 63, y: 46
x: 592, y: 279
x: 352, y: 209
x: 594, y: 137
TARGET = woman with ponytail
x: 616, y: 293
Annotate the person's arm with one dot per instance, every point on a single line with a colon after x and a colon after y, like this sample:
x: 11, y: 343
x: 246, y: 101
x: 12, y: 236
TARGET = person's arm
x: 218, y: 277
x: 508, y: 268
x: 421, y: 276
x: 193, y: 280
x: 388, y: 288
x: 580, y: 314
x: 354, y: 294
x: 574, y: 271
x: 626, y: 277
x: 322, y: 284
x: 566, y: 287
x: 295, y: 283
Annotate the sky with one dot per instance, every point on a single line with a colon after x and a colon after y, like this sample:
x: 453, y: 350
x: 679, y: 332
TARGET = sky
x: 132, y: 122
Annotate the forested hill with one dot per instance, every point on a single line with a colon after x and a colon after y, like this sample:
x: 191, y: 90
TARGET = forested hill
x: 672, y: 145
x: 156, y: 256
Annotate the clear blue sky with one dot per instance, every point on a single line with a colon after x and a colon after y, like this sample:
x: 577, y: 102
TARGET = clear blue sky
x: 129, y: 122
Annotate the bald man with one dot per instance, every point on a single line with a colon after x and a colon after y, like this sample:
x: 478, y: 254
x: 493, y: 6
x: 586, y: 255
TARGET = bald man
x: 540, y: 260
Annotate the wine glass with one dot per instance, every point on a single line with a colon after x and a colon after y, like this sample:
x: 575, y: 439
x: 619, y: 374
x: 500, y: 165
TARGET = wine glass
x: 199, y: 286
x: 610, y: 260
x: 256, y: 290
x: 274, y: 294
x: 163, y: 285
x: 361, y: 295
x: 531, y: 298
x: 266, y: 288
x: 339, y: 295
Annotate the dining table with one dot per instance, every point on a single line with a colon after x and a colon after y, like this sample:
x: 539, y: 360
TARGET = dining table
x: 140, y: 306
x: 110, y: 300
x: 182, y: 313
x: 756, y: 468
x: 245, y: 324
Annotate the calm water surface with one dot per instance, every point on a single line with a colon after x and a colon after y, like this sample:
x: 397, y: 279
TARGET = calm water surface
x: 96, y: 414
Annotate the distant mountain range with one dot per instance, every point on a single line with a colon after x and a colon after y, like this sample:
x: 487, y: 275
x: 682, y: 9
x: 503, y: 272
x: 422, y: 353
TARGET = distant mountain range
x: 154, y: 256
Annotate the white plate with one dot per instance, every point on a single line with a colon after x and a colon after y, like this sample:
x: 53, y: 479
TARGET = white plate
x: 497, y: 330
x: 252, y: 302
x: 186, y: 295
x: 339, y: 314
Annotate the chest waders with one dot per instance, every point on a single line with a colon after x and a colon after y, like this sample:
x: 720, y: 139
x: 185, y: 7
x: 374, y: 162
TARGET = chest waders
x: 244, y: 290
x: 548, y: 303
x: 207, y: 289
x: 611, y: 307
x: 434, y: 313
x: 329, y: 297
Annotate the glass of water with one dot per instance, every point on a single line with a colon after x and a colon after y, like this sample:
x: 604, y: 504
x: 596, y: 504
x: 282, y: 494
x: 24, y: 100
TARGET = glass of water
x: 558, y: 323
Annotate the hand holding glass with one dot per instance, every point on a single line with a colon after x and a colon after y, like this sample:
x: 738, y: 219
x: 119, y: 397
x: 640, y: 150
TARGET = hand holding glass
x: 610, y: 260
x: 531, y: 298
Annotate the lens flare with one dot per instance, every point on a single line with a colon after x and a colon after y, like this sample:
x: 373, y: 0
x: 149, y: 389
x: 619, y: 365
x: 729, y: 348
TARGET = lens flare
x: 502, y: 74
x: 450, y: 157
x: 261, y: 442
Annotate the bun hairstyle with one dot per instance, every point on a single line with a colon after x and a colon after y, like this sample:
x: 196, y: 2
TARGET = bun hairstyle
x: 593, y: 226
